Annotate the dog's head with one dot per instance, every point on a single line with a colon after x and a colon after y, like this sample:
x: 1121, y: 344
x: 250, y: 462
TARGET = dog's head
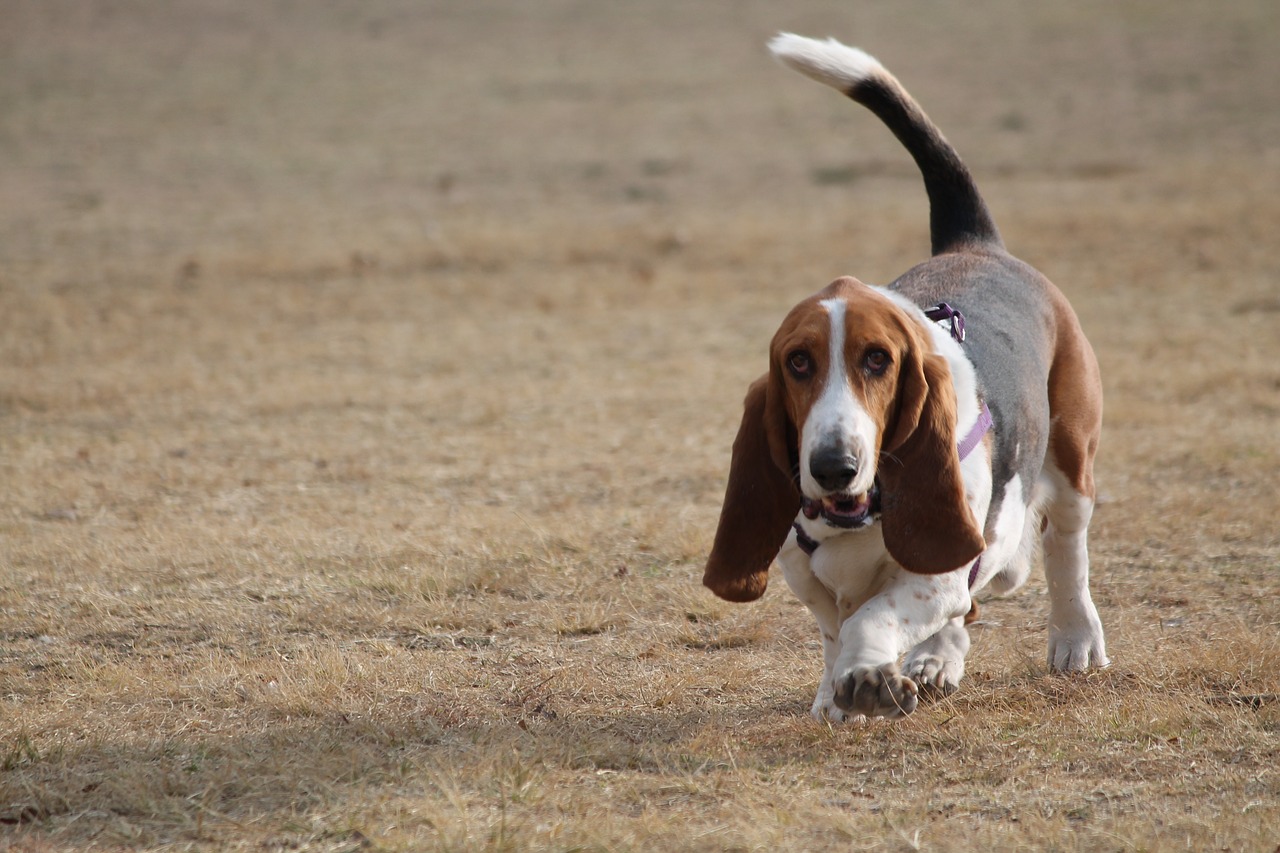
x: 855, y: 400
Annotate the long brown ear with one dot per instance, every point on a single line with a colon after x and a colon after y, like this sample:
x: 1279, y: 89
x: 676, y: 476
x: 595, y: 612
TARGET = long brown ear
x: 927, y: 525
x: 760, y: 502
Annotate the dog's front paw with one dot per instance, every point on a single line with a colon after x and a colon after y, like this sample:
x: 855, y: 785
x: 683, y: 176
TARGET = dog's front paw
x: 935, y: 677
x: 881, y: 691
x: 824, y: 708
x: 937, y: 664
x: 827, y: 712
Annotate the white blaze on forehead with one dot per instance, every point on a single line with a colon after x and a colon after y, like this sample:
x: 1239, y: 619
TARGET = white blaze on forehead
x: 835, y: 309
x: 838, y: 417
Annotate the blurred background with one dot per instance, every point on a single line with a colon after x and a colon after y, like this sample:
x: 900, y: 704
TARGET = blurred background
x: 368, y: 374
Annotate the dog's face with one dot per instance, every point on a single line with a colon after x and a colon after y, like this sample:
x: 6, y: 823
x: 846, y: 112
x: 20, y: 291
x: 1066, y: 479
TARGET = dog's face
x: 838, y: 358
x: 855, y: 399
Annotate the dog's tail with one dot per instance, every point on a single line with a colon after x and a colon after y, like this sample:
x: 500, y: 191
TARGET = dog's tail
x: 958, y: 216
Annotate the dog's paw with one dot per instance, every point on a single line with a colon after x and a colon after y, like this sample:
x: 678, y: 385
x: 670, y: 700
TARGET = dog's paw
x: 935, y: 677
x: 937, y: 664
x: 1076, y: 642
x: 1079, y: 649
x: 824, y: 710
x: 881, y: 691
x: 829, y: 713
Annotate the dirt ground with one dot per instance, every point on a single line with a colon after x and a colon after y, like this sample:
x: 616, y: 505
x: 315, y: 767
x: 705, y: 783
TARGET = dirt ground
x: 368, y: 372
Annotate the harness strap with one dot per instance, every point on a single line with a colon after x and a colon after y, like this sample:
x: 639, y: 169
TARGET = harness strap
x: 943, y: 311
x: 806, y: 542
x: 980, y: 428
x: 973, y: 571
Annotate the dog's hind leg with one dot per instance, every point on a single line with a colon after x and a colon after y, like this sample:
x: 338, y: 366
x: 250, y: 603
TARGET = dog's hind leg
x: 1075, y: 406
x: 1075, y: 630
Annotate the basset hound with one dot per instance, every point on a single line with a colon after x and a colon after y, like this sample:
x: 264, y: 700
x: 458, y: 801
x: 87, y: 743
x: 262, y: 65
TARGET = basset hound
x: 910, y: 443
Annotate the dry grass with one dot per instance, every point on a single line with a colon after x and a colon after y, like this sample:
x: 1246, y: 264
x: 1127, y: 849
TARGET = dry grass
x: 367, y: 378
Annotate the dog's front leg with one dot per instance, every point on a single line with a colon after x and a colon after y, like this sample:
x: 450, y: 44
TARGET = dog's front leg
x: 822, y: 604
x: 909, y: 609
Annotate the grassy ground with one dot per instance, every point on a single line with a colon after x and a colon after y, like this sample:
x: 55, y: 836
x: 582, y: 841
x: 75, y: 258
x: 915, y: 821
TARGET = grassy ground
x: 367, y: 379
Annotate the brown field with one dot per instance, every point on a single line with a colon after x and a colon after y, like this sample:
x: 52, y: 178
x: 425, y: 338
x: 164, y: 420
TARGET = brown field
x: 368, y: 372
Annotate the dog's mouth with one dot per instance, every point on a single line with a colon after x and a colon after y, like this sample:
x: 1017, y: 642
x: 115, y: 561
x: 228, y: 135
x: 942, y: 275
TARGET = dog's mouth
x: 842, y: 510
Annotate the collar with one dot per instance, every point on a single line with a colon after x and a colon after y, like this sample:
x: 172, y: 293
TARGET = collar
x: 942, y: 312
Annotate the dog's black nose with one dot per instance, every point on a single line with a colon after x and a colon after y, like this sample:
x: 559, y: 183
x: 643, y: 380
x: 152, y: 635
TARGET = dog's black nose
x: 833, y: 468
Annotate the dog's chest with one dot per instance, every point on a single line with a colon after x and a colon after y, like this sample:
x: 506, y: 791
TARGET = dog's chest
x: 853, y: 566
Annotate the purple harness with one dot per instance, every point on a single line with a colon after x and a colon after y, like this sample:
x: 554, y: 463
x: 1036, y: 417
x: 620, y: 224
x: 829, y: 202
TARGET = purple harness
x: 938, y: 313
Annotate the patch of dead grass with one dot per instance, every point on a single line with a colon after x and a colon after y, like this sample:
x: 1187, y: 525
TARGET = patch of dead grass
x: 355, y: 495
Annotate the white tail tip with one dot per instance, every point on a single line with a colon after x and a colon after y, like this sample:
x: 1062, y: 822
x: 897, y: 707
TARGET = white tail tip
x: 838, y: 65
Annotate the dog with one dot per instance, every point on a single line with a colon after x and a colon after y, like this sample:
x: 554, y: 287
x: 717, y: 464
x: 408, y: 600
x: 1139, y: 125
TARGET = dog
x: 910, y: 443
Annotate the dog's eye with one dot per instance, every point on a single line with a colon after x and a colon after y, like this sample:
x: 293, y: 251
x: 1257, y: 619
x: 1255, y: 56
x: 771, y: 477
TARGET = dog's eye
x: 876, y: 361
x: 800, y: 364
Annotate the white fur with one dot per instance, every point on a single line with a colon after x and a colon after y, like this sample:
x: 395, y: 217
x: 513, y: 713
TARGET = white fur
x: 1010, y: 572
x: 837, y: 417
x: 1075, y: 631
x: 871, y: 611
x: 1005, y: 536
x: 814, y: 593
x: 830, y: 62
x: 938, y: 662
